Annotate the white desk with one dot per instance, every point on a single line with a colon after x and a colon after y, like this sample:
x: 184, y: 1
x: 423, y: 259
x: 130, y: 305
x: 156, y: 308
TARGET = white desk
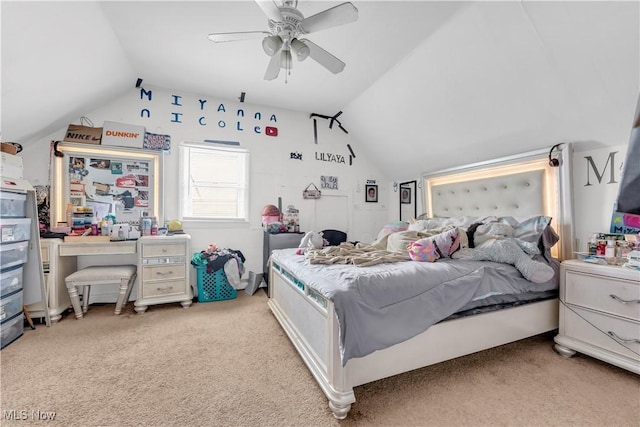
x: 63, y: 258
x: 126, y: 247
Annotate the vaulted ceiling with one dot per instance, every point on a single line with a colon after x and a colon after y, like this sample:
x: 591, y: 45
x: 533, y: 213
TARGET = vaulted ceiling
x: 427, y: 84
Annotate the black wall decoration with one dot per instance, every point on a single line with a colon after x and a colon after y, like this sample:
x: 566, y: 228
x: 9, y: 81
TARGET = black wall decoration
x: 332, y: 119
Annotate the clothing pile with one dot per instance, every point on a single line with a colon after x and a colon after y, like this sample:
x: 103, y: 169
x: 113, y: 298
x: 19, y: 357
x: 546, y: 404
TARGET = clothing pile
x: 214, y: 258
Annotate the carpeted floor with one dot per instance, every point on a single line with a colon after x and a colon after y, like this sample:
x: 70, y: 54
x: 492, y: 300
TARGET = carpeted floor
x: 228, y: 363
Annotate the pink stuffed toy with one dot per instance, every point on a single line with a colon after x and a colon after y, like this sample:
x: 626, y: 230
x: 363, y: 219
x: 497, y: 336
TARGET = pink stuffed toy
x: 435, y: 247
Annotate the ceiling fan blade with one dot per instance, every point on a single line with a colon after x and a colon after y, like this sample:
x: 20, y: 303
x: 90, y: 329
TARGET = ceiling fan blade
x: 324, y: 58
x: 338, y: 15
x: 237, y: 36
x: 270, y: 9
x: 273, y: 69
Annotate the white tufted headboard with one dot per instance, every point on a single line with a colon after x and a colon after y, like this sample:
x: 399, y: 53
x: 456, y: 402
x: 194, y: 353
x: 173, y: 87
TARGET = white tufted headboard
x: 519, y: 194
x: 519, y: 186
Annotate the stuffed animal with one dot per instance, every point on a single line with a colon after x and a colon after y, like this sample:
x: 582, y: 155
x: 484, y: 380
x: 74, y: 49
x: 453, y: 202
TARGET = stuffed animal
x: 435, y: 247
x: 312, y: 240
x: 494, y: 242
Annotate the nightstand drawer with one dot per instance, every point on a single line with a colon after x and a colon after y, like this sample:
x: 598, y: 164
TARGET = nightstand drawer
x: 164, y: 272
x: 614, y: 296
x: 603, y: 331
x: 165, y: 288
x: 162, y: 250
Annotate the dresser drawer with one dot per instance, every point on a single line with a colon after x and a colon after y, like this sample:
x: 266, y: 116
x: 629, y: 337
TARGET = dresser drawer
x: 162, y: 250
x: 164, y: 272
x: 614, y: 296
x: 164, y: 288
x: 603, y: 331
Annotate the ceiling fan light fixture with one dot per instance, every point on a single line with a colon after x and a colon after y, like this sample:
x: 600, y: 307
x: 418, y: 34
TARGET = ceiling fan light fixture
x: 300, y: 49
x: 285, y: 60
x: 271, y: 44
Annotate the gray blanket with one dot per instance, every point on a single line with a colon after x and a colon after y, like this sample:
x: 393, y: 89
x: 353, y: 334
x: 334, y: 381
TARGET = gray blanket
x: 385, y: 304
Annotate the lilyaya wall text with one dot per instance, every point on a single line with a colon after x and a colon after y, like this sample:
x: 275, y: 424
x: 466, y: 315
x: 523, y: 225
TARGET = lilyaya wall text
x: 212, y: 114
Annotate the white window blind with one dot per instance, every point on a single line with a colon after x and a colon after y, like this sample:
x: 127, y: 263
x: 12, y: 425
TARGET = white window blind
x: 215, y: 182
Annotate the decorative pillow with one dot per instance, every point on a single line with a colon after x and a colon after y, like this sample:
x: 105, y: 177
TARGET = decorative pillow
x: 435, y: 247
x: 441, y: 222
x: 531, y: 229
x: 392, y: 227
x: 400, y: 241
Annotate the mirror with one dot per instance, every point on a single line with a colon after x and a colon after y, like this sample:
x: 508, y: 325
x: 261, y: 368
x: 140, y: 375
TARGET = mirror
x: 122, y: 182
x: 407, y: 196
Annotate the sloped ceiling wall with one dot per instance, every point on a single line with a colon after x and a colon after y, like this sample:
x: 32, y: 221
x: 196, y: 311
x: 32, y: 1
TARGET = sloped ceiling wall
x: 428, y: 84
x: 59, y: 61
x: 504, y: 78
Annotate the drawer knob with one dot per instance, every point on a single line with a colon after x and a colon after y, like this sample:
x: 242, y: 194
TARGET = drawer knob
x: 161, y: 273
x: 623, y: 340
x: 624, y: 301
x: 164, y: 289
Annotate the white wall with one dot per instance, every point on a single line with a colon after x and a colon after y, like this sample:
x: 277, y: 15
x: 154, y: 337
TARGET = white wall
x: 595, y: 189
x: 273, y: 172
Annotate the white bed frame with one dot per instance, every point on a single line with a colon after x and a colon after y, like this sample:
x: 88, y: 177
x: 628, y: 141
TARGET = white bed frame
x: 310, y: 321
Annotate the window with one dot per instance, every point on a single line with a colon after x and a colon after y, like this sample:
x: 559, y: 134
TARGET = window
x: 215, y: 184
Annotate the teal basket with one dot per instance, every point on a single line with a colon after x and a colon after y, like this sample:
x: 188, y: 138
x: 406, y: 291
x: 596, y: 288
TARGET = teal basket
x: 213, y: 286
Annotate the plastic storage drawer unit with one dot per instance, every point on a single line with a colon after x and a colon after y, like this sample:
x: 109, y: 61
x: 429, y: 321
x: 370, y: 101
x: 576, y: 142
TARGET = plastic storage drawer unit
x: 13, y: 254
x: 15, y: 229
x: 10, y: 280
x: 13, y: 205
x: 11, y: 329
x: 10, y: 305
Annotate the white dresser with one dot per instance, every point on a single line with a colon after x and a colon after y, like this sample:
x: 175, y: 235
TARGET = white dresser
x: 163, y: 271
x: 600, y: 313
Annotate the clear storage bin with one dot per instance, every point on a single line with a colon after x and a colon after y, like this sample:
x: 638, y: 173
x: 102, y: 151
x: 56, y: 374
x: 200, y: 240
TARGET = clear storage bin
x: 11, y: 329
x: 10, y: 305
x: 13, y: 254
x: 15, y: 229
x: 10, y: 280
x: 13, y: 205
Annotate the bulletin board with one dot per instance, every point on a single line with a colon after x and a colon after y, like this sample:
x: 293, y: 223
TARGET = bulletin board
x: 123, y: 182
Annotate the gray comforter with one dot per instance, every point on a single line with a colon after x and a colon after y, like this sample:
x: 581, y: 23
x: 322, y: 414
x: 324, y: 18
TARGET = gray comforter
x: 385, y: 304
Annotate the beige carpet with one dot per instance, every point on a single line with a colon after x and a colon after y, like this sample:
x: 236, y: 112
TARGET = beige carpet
x: 228, y: 363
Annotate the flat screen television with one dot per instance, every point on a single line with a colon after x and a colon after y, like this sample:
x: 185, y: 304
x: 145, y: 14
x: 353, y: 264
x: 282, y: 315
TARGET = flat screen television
x: 628, y: 200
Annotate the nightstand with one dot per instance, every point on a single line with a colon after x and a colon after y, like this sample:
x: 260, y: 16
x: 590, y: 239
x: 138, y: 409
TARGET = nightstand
x: 600, y: 313
x: 275, y: 241
x: 163, y: 271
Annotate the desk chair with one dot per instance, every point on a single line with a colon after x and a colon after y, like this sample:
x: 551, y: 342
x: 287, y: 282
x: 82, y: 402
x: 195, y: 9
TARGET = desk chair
x: 124, y: 275
x: 334, y: 237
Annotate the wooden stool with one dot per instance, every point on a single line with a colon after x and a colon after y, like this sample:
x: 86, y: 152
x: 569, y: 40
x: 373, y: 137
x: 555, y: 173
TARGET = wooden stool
x: 124, y: 275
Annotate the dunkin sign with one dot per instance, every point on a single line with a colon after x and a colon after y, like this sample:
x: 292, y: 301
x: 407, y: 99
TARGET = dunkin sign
x: 122, y: 134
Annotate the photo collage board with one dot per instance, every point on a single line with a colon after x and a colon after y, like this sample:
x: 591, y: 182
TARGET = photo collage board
x: 111, y: 185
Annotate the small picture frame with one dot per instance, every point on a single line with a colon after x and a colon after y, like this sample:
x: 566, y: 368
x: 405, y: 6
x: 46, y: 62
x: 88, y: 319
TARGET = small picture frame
x: 371, y: 193
x: 405, y: 195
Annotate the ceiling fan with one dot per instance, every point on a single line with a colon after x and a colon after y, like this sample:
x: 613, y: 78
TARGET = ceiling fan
x: 286, y: 24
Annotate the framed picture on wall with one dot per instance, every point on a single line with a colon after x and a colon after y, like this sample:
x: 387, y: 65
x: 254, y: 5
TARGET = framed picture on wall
x: 405, y: 195
x: 371, y: 193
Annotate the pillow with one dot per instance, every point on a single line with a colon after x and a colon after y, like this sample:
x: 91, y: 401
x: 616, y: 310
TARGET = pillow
x: 392, y: 227
x: 441, y: 222
x: 534, y: 229
x: 435, y: 247
x: 400, y: 241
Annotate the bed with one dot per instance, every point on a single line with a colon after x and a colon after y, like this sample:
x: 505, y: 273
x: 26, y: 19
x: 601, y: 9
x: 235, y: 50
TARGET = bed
x: 313, y: 302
